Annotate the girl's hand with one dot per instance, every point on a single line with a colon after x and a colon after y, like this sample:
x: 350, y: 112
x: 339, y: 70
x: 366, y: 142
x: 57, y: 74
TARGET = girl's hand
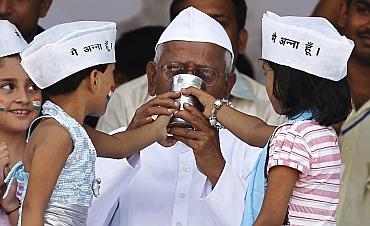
x: 163, y: 104
x: 204, y: 98
x: 4, y: 162
x: 11, y: 201
x: 164, y: 139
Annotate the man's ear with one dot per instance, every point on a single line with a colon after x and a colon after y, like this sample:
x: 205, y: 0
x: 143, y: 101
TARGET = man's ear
x: 343, y: 14
x: 44, y: 7
x: 243, y: 39
x: 230, y: 81
x: 93, y: 81
x: 151, y: 70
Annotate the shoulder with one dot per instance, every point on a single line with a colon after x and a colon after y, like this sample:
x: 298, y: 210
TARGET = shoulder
x: 308, y: 131
x: 50, y: 131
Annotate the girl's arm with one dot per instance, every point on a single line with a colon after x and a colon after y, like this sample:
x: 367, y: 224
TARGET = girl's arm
x: 124, y: 144
x: 281, y: 182
x: 250, y: 129
x: 50, y: 145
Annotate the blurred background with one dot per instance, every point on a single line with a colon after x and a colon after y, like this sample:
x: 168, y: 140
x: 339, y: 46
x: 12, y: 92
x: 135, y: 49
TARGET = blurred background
x: 130, y: 14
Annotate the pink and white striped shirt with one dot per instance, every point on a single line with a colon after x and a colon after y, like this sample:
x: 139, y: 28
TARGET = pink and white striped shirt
x: 313, y: 150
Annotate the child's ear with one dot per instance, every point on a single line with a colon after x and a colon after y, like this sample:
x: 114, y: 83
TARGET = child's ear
x: 94, y: 80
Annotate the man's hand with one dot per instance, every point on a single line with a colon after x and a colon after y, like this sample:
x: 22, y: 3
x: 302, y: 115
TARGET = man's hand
x: 204, y: 140
x: 163, y: 104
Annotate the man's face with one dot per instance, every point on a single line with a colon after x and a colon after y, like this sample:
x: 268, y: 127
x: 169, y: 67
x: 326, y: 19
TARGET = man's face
x: 24, y: 14
x: 191, y: 54
x: 223, y: 12
x: 355, y: 24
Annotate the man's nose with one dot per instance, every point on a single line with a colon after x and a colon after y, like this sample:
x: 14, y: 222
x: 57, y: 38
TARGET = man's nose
x: 190, y: 70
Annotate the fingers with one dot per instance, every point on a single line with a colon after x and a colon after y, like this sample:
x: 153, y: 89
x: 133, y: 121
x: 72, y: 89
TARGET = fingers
x: 163, y: 121
x: 192, y: 115
x: 204, y: 98
x: 163, y: 104
x: 171, y: 95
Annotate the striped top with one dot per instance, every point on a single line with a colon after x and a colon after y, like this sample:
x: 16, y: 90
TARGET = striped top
x: 313, y: 150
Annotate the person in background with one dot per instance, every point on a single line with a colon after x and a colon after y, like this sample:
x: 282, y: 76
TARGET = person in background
x: 328, y: 9
x: 354, y: 203
x: 25, y: 15
x: 134, y: 49
x: 247, y: 95
x: 243, y: 65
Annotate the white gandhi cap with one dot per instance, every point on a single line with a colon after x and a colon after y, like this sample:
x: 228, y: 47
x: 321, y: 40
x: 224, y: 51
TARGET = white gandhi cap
x: 68, y: 48
x: 195, y: 26
x: 11, y: 40
x: 309, y: 44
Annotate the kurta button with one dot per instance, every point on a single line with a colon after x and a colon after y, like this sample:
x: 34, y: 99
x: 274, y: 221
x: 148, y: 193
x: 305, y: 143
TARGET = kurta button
x: 182, y: 195
x: 178, y: 224
x: 186, y: 168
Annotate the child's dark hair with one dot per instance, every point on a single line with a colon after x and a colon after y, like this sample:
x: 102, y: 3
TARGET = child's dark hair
x: 298, y: 91
x: 72, y: 82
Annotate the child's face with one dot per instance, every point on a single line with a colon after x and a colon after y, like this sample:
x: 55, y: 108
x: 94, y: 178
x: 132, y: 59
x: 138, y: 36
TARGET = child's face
x: 107, y: 85
x: 269, y: 73
x: 17, y: 96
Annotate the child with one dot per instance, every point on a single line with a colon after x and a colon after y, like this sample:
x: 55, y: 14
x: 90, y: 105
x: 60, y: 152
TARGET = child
x: 18, y: 94
x: 73, y: 63
x: 304, y: 60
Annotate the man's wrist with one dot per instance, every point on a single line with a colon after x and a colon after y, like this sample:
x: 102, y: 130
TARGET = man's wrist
x: 216, y: 173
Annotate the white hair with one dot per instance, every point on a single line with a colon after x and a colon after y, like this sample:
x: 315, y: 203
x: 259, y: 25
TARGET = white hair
x: 227, y: 58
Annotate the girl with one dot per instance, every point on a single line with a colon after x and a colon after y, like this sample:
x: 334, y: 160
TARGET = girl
x: 18, y: 94
x: 309, y: 86
x: 60, y: 157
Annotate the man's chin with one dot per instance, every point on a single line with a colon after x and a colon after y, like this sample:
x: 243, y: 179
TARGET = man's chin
x: 168, y: 142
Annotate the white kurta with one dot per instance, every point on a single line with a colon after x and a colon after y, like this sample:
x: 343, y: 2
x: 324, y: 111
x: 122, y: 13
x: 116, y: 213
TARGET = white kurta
x: 166, y: 188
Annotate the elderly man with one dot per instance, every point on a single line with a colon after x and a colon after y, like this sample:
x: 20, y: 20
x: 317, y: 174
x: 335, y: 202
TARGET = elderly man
x: 25, y: 15
x: 354, y: 202
x: 202, y: 178
x: 247, y: 95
